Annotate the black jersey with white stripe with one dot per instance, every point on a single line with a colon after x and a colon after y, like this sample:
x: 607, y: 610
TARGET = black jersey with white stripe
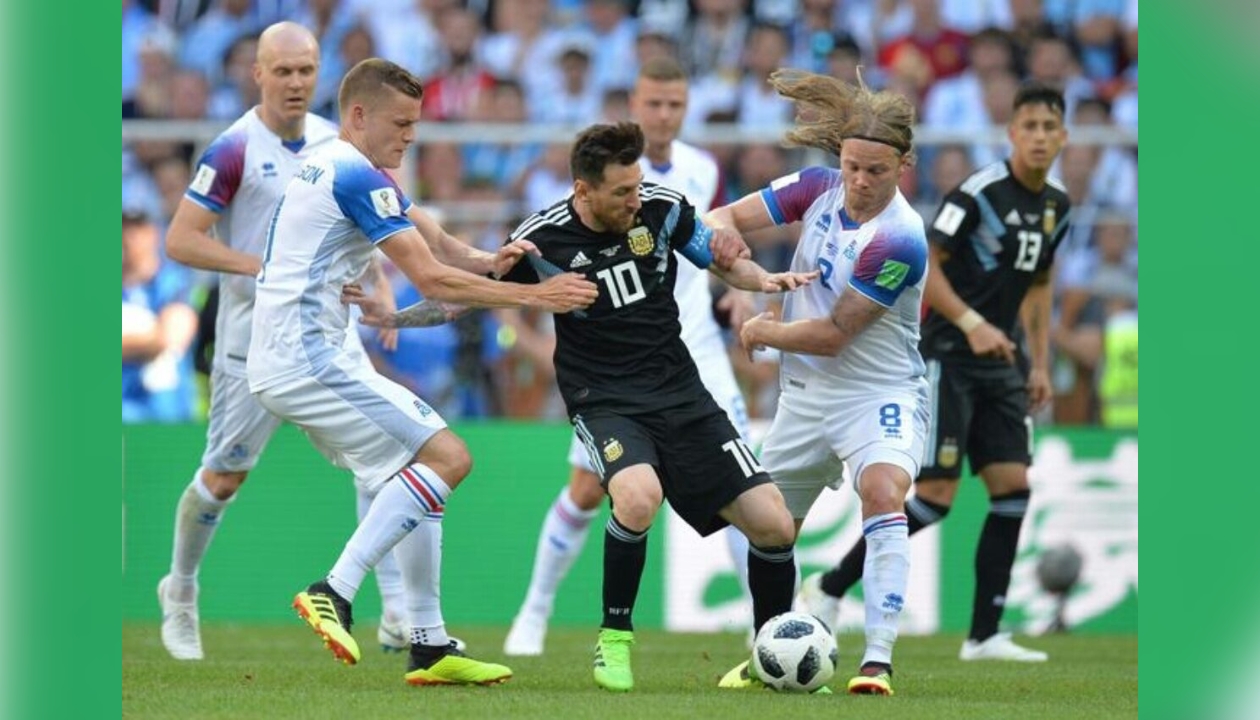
x: 625, y: 351
x: 999, y: 235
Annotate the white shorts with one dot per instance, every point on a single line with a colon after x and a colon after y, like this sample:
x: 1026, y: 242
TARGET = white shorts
x: 239, y: 427
x: 358, y: 419
x: 819, y: 427
x: 718, y: 378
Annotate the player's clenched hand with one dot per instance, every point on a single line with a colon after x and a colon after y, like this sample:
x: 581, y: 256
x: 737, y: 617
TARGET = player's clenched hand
x: 510, y: 254
x: 564, y: 292
x: 1039, y: 389
x: 988, y: 341
x: 751, y: 332
x: 375, y: 313
x: 786, y: 281
x: 727, y: 246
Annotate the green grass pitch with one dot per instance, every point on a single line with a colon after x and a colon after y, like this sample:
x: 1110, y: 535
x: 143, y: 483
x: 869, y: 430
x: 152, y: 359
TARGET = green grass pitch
x: 277, y: 672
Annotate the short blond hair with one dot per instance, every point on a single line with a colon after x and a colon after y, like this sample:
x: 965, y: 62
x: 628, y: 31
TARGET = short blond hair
x: 370, y: 77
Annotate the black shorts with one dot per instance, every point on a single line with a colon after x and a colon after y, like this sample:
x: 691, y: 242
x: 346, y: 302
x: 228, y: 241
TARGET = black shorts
x: 979, y: 412
x: 702, y: 463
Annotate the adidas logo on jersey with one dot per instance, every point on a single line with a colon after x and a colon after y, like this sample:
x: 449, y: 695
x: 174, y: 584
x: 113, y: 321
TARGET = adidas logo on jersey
x: 580, y: 260
x: 1012, y: 218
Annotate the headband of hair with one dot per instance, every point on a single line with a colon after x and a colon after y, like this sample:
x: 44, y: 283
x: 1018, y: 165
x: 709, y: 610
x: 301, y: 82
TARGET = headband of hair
x: 882, y: 141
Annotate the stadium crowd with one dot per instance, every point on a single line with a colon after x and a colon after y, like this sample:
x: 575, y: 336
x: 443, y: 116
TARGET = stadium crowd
x: 570, y: 63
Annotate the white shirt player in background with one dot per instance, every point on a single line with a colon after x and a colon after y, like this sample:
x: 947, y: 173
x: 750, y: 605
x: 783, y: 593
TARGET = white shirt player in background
x: 334, y: 213
x: 659, y: 104
x: 852, y: 379
x: 238, y: 181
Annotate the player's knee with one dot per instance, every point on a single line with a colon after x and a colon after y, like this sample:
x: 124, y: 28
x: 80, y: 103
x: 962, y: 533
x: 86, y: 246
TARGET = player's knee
x: 636, y: 509
x: 223, y: 485
x: 585, y: 490
x: 774, y: 530
x: 937, y: 491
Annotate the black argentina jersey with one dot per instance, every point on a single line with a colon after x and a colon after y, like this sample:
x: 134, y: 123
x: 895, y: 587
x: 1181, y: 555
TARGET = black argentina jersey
x: 999, y: 236
x: 625, y: 351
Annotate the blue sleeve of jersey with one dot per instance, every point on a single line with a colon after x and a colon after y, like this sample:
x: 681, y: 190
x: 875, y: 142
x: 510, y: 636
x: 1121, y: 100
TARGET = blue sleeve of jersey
x: 218, y: 173
x: 788, y: 198
x: 697, y: 247
x: 372, y: 200
x: 894, y: 260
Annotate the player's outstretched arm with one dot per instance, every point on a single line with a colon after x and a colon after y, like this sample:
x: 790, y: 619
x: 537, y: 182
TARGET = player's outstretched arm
x: 188, y: 241
x: 378, y: 314
x: 748, y: 275
x: 827, y: 336
x: 411, y: 254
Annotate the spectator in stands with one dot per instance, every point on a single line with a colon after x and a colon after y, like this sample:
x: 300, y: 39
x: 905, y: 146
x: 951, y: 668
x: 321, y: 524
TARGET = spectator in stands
x: 844, y: 59
x: 577, y: 100
x: 1110, y: 287
x: 158, y: 326
x: 548, y: 180
x: 951, y: 164
x: 1096, y: 27
x: 611, y: 32
x: 328, y: 21
x: 1052, y: 60
x: 523, y: 47
x: 751, y: 99
x: 714, y: 41
x: 236, y: 91
x: 139, y: 26
x: 206, y: 41
x: 409, y: 36
x: 441, y: 171
x: 957, y: 103
x: 454, y: 92
x: 654, y: 42
x: 615, y: 107
x: 356, y: 45
x: 942, y: 48
x: 972, y: 16
x: 501, y: 163
x: 812, y: 35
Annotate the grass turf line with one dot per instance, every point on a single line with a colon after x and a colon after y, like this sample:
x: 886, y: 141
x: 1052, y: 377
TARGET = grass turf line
x: 277, y: 672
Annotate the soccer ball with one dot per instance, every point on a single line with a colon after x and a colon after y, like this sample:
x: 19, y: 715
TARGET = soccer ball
x: 795, y: 652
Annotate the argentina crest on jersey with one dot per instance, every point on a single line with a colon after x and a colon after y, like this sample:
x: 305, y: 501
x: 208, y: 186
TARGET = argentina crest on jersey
x: 640, y: 239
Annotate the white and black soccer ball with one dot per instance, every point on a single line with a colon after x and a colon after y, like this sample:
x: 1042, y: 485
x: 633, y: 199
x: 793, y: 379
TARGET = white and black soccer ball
x: 795, y: 652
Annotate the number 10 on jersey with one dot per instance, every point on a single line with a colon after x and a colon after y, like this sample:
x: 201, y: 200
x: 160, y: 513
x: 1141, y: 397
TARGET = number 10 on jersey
x: 622, y: 281
x: 747, y: 461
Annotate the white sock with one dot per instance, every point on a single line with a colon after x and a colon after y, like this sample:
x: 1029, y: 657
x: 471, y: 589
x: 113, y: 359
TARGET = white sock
x: 420, y: 560
x: 196, y: 518
x: 414, y: 493
x: 884, y: 578
x: 563, y: 534
x: 737, y: 544
x: 388, y: 577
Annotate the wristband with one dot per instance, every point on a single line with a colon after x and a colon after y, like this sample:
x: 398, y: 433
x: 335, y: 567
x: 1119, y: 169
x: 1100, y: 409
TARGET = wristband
x: 969, y: 321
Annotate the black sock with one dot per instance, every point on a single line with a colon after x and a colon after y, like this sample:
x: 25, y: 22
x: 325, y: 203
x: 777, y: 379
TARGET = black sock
x: 919, y: 514
x: 995, y: 554
x: 771, y: 581
x: 625, y: 551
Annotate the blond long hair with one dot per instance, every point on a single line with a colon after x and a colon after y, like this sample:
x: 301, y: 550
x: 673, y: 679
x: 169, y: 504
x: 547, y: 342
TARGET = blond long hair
x: 830, y: 110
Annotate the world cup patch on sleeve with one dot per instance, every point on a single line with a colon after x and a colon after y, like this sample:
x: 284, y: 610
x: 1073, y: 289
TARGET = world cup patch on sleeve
x: 892, y: 274
x: 203, y: 180
x: 385, y: 202
x: 949, y: 218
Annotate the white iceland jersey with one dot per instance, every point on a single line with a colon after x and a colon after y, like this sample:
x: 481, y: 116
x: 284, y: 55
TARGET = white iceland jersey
x: 693, y: 173
x: 884, y: 258
x: 322, y: 236
x: 241, y: 176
